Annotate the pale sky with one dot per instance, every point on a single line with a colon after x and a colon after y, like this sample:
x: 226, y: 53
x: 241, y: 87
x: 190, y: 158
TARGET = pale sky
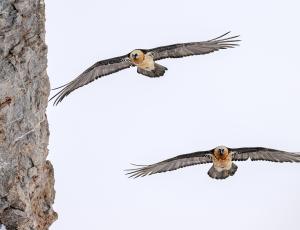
x: 247, y: 96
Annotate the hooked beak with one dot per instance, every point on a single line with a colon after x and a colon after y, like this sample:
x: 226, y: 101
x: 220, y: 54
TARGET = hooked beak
x: 221, y: 151
x: 134, y: 56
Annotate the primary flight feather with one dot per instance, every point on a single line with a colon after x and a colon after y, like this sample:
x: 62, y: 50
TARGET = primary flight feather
x: 145, y: 61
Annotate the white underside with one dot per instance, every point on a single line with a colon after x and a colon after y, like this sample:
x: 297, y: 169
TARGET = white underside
x: 148, y: 63
x: 223, y: 167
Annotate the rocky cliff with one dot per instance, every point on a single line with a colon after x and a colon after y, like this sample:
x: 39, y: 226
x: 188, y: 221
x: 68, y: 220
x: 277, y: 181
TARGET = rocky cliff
x: 26, y: 177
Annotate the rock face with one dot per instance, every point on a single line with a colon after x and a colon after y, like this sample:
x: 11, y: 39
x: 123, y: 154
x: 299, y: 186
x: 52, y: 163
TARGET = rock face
x: 26, y: 177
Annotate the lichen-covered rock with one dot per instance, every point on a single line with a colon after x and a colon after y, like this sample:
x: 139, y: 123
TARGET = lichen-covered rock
x: 26, y: 177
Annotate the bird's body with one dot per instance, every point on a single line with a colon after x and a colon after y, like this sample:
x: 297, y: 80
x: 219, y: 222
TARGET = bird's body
x: 145, y: 61
x: 221, y: 157
x: 222, y: 161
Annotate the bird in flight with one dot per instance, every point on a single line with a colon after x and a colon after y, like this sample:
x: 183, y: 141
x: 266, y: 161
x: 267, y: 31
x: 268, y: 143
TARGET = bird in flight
x: 145, y: 61
x: 221, y: 157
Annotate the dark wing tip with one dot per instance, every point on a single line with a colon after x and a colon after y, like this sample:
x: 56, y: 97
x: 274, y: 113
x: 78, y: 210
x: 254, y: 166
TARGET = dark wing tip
x: 221, y: 36
x: 59, y: 87
x: 140, y: 171
x: 224, y: 35
x: 57, y: 100
x: 59, y: 97
x: 226, y: 40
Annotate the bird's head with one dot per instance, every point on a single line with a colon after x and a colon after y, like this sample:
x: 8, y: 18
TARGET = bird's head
x: 221, y: 151
x: 137, y: 56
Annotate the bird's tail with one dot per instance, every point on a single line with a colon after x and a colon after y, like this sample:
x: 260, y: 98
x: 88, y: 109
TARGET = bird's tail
x: 213, y: 173
x: 158, y: 71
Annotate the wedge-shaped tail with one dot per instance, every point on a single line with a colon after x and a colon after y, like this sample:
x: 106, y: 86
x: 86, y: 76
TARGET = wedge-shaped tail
x: 158, y: 71
x: 213, y: 173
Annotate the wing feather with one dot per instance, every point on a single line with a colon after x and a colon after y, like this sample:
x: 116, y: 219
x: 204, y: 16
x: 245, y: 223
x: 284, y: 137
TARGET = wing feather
x: 171, y: 164
x: 194, y: 48
x: 99, y: 69
x: 264, y: 154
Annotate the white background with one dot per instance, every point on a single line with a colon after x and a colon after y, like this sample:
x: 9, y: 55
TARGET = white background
x: 247, y: 96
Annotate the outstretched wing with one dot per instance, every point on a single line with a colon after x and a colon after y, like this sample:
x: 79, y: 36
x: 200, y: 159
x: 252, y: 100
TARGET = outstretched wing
x: 264, y: 154
x: 194, y: 48
x: 171, y: 164
x: 99, y: 69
